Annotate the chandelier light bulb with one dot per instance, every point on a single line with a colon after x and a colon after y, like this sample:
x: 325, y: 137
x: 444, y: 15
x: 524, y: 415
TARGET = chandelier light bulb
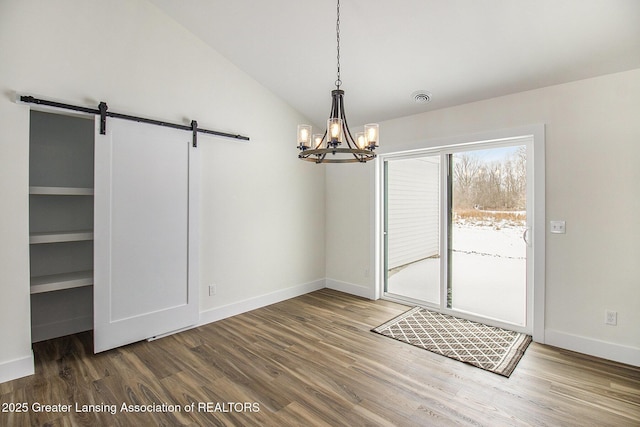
x: 361, y: 141
x: 304, y: 137
x: 335, y: 131
x: 317, y: 140
x: 334, y: 127
x: 371, y: 131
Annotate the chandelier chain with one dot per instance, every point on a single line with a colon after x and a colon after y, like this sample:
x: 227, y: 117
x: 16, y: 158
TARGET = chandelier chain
x: 338, y: 81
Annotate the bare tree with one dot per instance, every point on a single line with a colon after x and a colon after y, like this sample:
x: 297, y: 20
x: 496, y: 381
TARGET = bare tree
x: 492, y: 185
x: 465, y: 173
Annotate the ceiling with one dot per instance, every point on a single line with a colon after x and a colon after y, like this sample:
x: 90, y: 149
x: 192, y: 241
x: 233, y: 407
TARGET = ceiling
x: 459, y: 50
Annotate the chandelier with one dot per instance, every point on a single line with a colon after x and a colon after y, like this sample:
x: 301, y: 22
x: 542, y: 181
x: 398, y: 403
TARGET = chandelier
x: 316, y: 147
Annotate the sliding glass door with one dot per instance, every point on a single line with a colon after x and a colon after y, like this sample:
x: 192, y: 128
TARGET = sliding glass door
x: 456, y: 231
x: 487, y: 229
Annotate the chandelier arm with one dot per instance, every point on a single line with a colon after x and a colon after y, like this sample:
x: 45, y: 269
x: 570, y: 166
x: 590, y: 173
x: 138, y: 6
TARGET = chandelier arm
x: 349, y: 138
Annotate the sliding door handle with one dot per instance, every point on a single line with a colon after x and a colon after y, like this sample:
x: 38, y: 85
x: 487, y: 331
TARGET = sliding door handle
x: 525, y: 236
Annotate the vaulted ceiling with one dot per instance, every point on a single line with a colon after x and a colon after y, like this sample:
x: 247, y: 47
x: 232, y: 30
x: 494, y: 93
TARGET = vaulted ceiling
x: 459, y: 50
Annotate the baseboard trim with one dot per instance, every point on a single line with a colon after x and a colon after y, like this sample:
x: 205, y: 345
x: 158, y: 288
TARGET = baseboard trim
x: 593, y: 347
x: 17, y: 368
x: 219, y: 313
x: 350, y: 288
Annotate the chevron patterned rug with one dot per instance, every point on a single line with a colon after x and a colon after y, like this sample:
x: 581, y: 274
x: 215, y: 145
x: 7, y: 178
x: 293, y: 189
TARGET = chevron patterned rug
x: 487, y: 347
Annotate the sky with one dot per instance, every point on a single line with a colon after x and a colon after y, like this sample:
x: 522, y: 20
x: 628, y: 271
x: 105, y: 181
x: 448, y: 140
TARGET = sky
x: 494, y: 154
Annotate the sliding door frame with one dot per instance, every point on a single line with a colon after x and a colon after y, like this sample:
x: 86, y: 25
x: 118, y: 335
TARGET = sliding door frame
x: 535, y: 196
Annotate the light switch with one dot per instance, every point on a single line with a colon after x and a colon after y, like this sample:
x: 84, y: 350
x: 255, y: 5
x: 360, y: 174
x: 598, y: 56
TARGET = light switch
x: 558, y: 227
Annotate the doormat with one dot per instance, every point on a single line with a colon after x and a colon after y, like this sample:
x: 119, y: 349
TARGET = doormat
x: 487, y: 347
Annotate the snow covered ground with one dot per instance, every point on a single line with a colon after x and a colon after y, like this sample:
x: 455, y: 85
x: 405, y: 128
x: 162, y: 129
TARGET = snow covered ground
x: 488, y: 272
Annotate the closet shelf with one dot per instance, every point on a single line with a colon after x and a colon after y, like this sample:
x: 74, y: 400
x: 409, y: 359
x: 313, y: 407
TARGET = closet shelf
x: 61, y: 191
x: 57, y: 282
x: 60, y: 236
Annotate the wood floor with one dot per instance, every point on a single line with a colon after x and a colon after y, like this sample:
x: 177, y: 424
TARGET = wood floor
x: 310, y: 361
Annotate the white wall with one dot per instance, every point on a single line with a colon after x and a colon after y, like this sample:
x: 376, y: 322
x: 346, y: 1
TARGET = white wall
x: 592, y: 175
x: 348, y: 244
x: 262, y: 230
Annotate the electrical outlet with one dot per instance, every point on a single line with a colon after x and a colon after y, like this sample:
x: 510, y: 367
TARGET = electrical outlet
x: 558, y: 227
x: 611, y: 318
x: 212, y: 290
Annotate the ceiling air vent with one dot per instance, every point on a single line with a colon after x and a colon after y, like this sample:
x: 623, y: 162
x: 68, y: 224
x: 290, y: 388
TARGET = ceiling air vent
x: 421, y: 96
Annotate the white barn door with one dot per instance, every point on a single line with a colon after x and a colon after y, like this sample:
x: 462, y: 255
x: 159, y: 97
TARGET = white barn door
x: 145, y: 233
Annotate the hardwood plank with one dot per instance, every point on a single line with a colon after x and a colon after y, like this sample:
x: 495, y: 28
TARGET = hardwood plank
x: 312, y: 360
